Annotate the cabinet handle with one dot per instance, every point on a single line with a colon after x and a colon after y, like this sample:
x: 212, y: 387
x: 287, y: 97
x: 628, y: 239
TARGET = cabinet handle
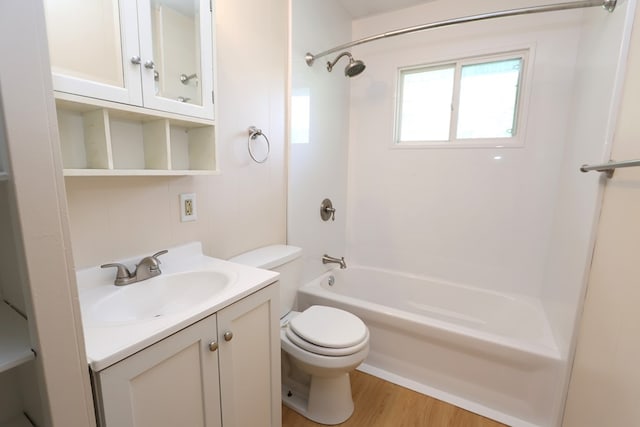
x: 213, y: 345
x: 135, y: 60
x: 149, y: 64
x: 228, y: 336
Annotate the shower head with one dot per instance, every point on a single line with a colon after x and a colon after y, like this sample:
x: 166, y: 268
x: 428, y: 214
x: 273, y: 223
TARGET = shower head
x: 353, y: 68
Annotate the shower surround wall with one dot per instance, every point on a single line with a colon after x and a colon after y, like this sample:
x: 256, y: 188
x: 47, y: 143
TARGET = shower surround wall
x: 487, y: 217
x: 318, y: 156
x: 508, y: 219
x: 597, y: 91
x: 479, y: 216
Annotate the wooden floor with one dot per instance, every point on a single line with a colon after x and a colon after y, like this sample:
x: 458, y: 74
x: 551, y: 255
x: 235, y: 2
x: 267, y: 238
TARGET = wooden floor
x: 379, y: 403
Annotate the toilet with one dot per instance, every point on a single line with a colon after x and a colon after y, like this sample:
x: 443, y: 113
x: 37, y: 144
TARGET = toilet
x: 320, y: 345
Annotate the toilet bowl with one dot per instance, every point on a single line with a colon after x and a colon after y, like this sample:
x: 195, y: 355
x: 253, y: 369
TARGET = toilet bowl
x: 326, y: 357
x: 320, y: 345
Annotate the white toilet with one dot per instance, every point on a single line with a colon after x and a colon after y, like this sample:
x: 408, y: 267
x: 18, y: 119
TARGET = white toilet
x: 320, y: 345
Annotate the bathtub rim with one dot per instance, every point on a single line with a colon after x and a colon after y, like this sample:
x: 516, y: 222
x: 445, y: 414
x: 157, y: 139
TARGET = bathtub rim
x: 438, y: 329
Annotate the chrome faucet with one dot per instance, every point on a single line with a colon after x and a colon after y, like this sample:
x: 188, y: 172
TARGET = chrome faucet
x: 147, y: 268
x: 326, y: 259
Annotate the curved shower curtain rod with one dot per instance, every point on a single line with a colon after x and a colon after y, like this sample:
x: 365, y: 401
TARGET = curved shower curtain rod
x: 609, y: 5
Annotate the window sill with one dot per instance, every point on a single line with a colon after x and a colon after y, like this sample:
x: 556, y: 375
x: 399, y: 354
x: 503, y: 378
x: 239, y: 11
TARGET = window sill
x: 487, y: 143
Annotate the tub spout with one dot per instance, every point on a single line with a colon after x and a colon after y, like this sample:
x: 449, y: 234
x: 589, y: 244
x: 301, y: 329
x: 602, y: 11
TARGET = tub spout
x: 326, y: 259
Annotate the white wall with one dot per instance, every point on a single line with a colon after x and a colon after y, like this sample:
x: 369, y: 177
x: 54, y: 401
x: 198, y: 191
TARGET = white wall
x: 596, y: 94
x: 605, y: 382
x: 240, y: 209
x: 459, y: 214
x: 318, y: 169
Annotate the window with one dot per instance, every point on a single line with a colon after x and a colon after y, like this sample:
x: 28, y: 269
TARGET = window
x: 300, y: 116
x: 464, y: 101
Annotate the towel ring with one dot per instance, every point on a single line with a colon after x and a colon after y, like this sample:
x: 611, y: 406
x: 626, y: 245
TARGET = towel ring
x: 254, y: 132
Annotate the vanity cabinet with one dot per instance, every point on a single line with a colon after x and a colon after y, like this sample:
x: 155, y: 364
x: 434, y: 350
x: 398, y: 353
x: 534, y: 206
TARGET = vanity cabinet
x: 250, y: 361
x: 223, y: 370
x: 156, y: 54
x: 174, y: 382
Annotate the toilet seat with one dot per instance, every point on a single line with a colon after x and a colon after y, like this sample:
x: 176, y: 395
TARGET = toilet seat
x: 328, y: 331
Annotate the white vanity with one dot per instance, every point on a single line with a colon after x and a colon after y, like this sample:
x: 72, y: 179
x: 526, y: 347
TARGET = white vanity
x: 198, y: 345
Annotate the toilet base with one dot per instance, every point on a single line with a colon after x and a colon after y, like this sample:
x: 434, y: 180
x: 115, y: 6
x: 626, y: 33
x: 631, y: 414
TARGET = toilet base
x: 327, y: 400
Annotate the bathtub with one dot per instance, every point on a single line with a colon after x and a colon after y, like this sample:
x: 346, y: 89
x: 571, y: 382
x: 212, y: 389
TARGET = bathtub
x: 488, y: 352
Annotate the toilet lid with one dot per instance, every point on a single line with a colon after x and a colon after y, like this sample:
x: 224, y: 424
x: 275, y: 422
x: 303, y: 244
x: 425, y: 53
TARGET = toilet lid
x: 329, y: 327
x: 325, y: 351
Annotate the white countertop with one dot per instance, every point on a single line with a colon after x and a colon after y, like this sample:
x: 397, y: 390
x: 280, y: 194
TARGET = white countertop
x: 108, y: 343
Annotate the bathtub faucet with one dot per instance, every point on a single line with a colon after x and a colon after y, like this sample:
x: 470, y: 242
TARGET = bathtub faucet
x: 326, y: 259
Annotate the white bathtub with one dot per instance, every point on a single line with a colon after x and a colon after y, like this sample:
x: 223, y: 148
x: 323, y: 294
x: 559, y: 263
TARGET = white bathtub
x: 491, y: 353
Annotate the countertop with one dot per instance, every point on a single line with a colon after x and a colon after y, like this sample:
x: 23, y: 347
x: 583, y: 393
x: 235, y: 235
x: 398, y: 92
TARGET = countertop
x: 108, y: 343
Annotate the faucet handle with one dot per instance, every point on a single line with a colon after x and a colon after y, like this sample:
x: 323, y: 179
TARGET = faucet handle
x: 123, y: 274
x: 332, y: 211
x: 157, y: 254
x: 152, y: 261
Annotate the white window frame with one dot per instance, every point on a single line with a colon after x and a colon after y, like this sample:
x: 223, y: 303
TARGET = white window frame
x: 522, y: 100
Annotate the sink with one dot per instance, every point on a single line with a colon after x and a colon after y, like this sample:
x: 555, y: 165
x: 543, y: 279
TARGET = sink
x: 119, y: 321
x: 158, y: 297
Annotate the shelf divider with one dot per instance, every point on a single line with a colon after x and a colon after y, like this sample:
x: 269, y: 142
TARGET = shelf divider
x: 14, y: 336
x: 156, y: 144
x: 97, y: 136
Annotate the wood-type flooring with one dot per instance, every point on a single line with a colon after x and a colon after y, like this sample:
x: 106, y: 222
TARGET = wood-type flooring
x: 379, y: 403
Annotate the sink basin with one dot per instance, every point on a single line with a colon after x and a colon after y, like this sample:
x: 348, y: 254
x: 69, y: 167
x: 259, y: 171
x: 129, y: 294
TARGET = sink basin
x: 157, y: 297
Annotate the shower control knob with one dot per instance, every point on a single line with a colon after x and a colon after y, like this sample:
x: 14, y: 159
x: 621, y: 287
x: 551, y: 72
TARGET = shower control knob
x: 327, y: 210
x: 213, y: 345
x: 228, y: 336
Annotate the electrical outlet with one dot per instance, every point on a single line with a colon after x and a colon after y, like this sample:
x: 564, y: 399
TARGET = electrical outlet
x: 188, y: 210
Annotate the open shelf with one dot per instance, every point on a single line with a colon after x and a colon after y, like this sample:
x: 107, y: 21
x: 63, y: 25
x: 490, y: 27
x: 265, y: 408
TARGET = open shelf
x: 14, y: 336
x: 135, y: 172
x: 110, y: 139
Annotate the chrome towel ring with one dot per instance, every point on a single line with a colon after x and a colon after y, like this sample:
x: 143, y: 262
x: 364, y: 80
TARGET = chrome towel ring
x: 254, y: 132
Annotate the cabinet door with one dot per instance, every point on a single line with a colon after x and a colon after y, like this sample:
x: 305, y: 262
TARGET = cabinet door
x: 91, y: 44
x: 176, y: 46
x: 250, y: 360
x: 171, y: 383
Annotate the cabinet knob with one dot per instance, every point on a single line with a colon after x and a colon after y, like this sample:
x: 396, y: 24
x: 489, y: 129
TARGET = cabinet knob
x: 213, y: 345
x: 228, y: 336
x: 149, y: 64
x: 135, y: 60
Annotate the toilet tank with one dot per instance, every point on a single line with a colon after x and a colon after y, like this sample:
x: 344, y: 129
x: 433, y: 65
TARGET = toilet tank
x: 286, y: 260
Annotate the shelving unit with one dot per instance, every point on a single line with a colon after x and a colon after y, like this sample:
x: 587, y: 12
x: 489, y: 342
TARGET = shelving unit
x: 14, y: 336
x: 3, y: 169
x: 18, y: 421
x: 103, y: 138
